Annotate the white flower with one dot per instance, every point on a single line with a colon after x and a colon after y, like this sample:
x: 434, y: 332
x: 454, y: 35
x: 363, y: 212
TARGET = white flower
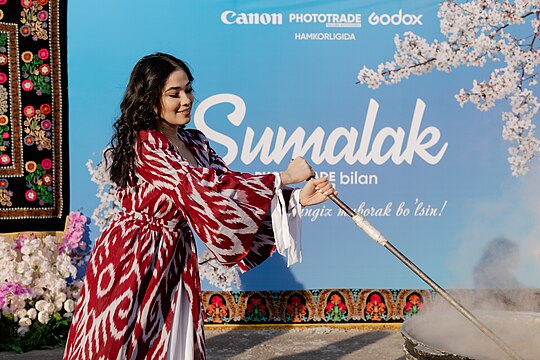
x: 50, y: 308
x: 40, y: 305
x: 69, y: 305
x: 21, y: 313
x: 22, y: 330
x: 43, y: 317
x: 61, y: 297
x: 38, y: 291
x: 25, y: 322
x: 32, y: 313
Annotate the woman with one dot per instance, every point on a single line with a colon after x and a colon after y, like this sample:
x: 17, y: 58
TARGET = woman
x: 141, y: 295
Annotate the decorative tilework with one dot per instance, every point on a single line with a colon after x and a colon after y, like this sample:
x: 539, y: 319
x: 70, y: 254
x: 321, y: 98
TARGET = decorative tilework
x: 372, y: 307
x: 318, y: 306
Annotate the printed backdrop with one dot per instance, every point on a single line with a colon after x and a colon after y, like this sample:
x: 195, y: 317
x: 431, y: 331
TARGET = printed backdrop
x: 278, y: 79
x: 33, y: 123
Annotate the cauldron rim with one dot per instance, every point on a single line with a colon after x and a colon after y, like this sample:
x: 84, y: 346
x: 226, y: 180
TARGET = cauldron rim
x: 429, y: 350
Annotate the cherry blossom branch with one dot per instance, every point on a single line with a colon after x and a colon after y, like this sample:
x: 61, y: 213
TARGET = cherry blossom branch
x: 475, y: 32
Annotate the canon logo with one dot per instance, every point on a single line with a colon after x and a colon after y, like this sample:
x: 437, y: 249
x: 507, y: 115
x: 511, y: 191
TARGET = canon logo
x: 395, y: 19
x: 230, y: 17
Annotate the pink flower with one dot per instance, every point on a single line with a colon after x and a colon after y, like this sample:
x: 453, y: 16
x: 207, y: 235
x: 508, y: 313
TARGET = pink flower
x: 3, y: 78
x: 46, y: 124
x: 46, y: 164
x: 4, y: 159
x: 5, y: 135
x: 43, y: 54
x: 75, y: 231
x: 43, y: 15
x: 27, y: 85
x: 31, y: 195
x: 29, y: 111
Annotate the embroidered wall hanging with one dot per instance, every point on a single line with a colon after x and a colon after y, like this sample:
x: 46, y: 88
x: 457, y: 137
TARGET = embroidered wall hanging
x: 33, y: 116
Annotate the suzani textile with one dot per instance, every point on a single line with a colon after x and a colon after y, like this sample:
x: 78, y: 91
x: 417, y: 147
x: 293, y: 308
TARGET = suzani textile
x: 33, y: 122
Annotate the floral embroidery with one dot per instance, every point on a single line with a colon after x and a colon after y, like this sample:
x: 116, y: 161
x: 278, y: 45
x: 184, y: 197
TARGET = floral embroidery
x: 30, y: 195
x: 29, y: 111
x: 30, y: 166
x: 39, y: 182
x: 25, y: 30
x: 27, y: 56
x: 26, y: 3
x: 5, y: 159
x: 30, y: 17
x: 5, y: 197
x: 31, y: 60
x: 4, y: 120
x: 46, y: 164
x: 36, y: 74
x: 3, y: 97
x: 40, y: 136
x: 27, y: 85
x: 43, y: 54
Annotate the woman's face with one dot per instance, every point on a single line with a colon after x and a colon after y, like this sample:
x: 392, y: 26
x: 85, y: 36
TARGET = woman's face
x: 176, y: 100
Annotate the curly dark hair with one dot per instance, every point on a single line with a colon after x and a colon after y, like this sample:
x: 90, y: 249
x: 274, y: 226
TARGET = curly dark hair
x: 140, y: 109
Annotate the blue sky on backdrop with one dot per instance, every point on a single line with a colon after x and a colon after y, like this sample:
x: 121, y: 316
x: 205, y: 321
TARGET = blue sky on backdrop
x: 289, y: 82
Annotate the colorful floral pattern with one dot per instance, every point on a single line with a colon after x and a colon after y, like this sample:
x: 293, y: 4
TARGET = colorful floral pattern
x: 217, y: 312
x: 297, y: 310
x: 413, y: 305
x: 316, y: 306
x: 256, y: 310
x: 336, y: 309
x: 375, y: 307
x: 31, y: 119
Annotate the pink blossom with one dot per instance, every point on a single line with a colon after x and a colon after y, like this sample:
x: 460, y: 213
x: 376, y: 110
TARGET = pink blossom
x: 43, y: 54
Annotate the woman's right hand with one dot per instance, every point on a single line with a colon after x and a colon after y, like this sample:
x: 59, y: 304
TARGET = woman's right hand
x: 297, y: 171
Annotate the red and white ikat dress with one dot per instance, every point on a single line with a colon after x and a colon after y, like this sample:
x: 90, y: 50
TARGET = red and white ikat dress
x: 141, y: 297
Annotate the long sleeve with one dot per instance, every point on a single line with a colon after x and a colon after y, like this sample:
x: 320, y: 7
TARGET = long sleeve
x: 226, y: 209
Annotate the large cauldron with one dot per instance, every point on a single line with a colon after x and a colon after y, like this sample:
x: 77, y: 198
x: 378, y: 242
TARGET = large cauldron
x: 449, y: 335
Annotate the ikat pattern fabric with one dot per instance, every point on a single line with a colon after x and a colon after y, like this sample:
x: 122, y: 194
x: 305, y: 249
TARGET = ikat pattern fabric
x: 129, y: 293
x: 33, y: 124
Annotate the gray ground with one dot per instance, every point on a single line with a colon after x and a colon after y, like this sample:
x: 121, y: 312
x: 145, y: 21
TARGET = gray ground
x: 295, y: 344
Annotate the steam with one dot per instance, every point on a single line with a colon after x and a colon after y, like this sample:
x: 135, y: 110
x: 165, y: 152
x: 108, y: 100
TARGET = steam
x: 514, y: 215
x: 499, y: 255
x: 442, y: 328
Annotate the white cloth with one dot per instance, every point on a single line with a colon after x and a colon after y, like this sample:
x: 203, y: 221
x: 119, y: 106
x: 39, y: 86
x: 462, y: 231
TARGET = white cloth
x: 181, y: 339
x: 287, y: 226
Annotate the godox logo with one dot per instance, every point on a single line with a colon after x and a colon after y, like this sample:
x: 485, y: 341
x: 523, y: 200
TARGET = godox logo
x: 395, y: 19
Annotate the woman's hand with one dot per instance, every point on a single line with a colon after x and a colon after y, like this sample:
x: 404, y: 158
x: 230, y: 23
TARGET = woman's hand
x: 316, y: 191
x: 297, y: 171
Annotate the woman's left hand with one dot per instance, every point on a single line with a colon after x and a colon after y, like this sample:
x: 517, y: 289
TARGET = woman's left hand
x: 316, y: 191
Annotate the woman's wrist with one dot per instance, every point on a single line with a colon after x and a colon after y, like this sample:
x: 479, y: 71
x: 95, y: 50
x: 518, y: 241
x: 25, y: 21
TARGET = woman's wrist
x: 300, y: 198
x: 285, y: 180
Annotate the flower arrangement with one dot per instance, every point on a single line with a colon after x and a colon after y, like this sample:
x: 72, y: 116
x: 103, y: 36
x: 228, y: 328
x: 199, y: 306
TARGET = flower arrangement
x: 39, y: 286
